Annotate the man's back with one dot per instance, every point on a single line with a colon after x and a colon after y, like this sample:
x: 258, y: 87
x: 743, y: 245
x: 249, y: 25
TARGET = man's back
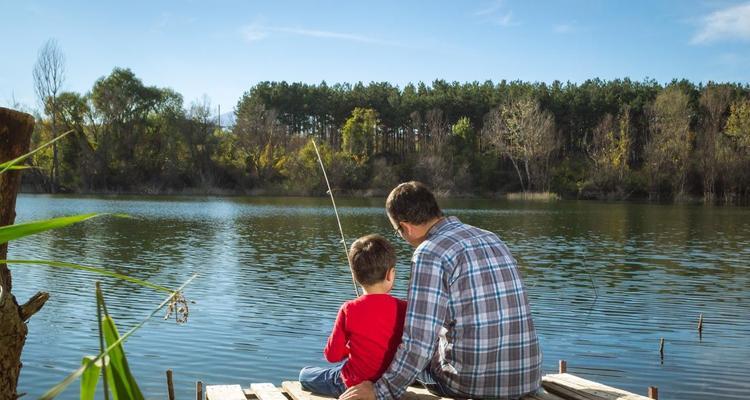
x: 488, y: 345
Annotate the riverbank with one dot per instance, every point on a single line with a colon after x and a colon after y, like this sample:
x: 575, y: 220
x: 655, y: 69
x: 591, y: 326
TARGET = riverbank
x: 375, y: 193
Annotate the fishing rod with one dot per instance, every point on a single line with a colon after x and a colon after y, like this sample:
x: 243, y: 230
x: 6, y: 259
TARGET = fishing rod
x: 335, y: 211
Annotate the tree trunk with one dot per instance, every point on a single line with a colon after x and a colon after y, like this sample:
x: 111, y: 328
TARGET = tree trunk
x: 15, y: 134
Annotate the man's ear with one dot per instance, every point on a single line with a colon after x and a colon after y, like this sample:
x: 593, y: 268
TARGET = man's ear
x: 408, y: 228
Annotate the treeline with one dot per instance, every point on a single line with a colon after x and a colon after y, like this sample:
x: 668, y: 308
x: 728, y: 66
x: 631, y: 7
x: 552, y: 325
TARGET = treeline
x: 597, y: 139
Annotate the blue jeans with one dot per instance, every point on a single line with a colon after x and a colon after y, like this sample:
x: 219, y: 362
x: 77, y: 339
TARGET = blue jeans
x: 325, y: 381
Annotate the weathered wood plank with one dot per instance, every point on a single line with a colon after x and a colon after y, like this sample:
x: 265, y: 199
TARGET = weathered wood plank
x: 542, y: 395
x: 267, y: 391
x: 576, y: 388
x: 225, y: 392
x: 296, y: 392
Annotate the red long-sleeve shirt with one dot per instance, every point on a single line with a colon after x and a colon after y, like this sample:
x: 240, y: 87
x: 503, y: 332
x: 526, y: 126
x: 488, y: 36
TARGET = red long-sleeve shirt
x: 368, y: 331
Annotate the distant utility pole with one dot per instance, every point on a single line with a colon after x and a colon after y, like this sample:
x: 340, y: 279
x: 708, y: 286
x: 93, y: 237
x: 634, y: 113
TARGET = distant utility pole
x: 219, y: 116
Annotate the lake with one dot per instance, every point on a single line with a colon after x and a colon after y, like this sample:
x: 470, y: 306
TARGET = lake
x: 606, y: 281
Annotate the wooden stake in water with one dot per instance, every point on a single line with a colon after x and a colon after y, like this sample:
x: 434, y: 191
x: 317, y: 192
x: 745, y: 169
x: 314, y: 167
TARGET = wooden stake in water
x: 661, y: 349
x: 700, y: 326
x: 335, y: 211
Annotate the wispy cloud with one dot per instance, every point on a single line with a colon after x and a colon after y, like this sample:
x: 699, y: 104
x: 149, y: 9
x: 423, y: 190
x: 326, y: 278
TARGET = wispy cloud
x: 564, y: 28
x: 254, y: 33
x: 490, y: 9
x: 731, y: 23
x: 497, y: 13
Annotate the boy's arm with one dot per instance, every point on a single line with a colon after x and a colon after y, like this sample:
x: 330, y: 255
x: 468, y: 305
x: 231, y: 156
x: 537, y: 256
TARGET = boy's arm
x: 336, y: 349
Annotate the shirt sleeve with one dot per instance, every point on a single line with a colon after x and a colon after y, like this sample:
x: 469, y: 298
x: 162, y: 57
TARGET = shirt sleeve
x: 426, y: 310
x: 336, y: 349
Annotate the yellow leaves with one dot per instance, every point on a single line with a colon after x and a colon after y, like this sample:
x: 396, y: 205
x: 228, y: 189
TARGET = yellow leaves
x: 738, y: 123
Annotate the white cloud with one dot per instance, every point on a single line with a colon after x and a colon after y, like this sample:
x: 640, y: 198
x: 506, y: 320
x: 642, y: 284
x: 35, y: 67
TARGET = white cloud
x: 563, y: 28
x: 496, y: 13
x: 490, y: 9
x: 731, y: 23
x: 253, y: 33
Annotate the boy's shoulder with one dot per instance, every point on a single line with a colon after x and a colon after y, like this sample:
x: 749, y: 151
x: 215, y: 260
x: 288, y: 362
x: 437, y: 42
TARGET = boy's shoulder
x: 369, y: 300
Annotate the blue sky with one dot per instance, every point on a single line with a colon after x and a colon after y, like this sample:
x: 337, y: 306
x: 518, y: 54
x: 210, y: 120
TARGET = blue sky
x: 222, y: 48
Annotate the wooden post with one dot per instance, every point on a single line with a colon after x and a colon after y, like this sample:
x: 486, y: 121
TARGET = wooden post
x: 653, y: 392
x: 700, y: 326
x: 661, y: 348
x: 170, y: 385
x: 199, y: 390
x: 563, y: 366
x: 15, y: 137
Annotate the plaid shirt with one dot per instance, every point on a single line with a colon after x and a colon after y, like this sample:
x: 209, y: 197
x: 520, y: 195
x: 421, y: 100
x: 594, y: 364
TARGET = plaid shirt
x: 467, y: 318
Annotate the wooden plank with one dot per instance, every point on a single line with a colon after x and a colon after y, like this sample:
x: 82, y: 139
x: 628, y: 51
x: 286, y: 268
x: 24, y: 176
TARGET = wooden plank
x: 574, y: 387
x: 542, y: 395
x: 224, y: 392
x: 296, y: 392
x: 267, y: 391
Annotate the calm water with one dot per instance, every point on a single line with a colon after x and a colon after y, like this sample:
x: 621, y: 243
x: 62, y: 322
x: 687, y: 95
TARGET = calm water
x: 605, y: 280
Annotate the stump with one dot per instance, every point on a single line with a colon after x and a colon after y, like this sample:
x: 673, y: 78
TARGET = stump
x: 15, y: 135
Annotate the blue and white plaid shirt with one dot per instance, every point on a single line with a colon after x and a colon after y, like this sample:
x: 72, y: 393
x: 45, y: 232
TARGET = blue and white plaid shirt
x: 467, y: 318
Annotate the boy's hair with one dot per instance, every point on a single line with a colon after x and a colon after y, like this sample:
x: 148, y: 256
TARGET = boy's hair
x: 412, y: 202
x: 372, y: 256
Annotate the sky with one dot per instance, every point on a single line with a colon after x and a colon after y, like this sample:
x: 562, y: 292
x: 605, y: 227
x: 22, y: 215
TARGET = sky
x: 220, y: 49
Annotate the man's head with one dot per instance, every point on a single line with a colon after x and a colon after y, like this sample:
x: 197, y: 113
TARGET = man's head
x: 412, y: 202
x: 373, y: 258
x: 411, y: 206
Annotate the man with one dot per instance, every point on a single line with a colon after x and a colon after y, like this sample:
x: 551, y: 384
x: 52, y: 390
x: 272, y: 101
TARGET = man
x: 468, y: 331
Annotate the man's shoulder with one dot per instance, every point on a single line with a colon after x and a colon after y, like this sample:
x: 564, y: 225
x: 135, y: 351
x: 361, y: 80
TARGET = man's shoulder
x: 456, y: 236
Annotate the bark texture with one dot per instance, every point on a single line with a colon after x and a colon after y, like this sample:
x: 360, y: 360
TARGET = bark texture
x: 15, y: 134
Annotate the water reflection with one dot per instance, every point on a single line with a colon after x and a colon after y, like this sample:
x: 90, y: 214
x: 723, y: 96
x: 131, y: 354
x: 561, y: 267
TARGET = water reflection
x: 606, y: 281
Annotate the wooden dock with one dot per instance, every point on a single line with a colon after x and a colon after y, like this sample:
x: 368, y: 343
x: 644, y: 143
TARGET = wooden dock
x: 560, y: 386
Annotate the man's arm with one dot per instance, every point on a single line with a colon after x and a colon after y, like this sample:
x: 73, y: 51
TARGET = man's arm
x: 336, y: 349
x: 425, y: 314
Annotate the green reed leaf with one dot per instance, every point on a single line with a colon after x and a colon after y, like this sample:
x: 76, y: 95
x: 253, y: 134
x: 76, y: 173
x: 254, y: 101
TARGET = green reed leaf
x: 122, y: 382
x: 17, y: 231
x: 97, y: 270
x: 89, y: 379
x: 8, y: 165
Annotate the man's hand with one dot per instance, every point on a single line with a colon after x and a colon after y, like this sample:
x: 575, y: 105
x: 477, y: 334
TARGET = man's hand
x: 362, y: 391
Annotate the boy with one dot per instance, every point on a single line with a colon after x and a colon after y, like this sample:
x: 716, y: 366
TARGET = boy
x: 367, y: 329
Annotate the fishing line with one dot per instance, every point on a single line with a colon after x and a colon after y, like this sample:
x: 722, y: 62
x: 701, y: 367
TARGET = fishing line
x: 335, y: 211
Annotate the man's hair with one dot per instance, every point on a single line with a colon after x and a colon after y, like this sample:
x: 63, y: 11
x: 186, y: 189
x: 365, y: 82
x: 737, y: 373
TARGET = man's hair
x: 412, y: 202
x: 372, y: 256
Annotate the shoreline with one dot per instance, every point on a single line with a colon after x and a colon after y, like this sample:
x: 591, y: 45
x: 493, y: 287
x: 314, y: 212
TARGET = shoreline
x: 377, y: 193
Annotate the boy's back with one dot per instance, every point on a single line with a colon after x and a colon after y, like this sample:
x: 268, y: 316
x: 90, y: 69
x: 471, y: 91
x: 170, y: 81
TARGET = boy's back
x: 367, y: 331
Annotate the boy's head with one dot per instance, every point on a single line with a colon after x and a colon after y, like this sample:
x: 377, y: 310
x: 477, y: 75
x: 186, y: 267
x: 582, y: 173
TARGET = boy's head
x: 372, y: 257
x: 412, y: 202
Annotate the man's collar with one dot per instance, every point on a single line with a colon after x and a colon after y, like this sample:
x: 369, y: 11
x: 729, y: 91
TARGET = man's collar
x: 441, y: 225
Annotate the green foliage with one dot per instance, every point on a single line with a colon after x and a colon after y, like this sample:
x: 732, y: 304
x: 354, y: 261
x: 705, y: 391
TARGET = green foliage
x: 90, y: 378
x: 120, y: 379
x: 667, y: 154
x: 358, y: 133
x: 609, y: 153
x: 133, y: 137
